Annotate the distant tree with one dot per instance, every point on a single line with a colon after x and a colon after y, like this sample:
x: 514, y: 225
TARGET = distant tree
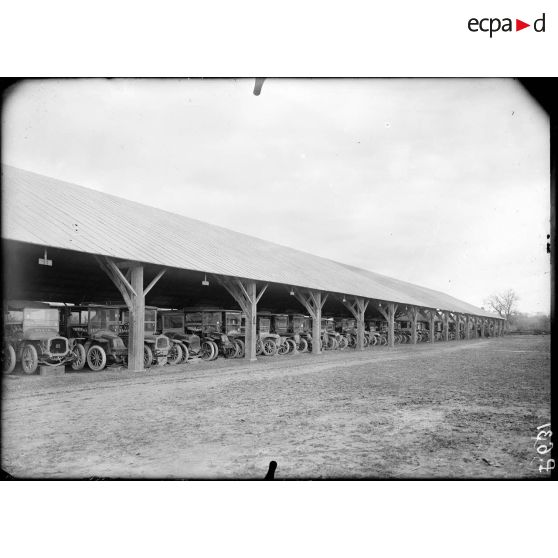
x: 505, y: 304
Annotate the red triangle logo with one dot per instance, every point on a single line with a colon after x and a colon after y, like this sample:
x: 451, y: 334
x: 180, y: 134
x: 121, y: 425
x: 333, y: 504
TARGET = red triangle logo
x: 519, y: 25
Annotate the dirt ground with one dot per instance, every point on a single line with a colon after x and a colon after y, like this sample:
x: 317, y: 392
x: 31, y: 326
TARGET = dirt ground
x: 467, y: 409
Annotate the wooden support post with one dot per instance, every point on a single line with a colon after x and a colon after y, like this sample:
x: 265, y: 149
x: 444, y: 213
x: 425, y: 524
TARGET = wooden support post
x: 445, y: 322
x: 244, y: 291
x: 392, y: 308
x: 431, y: 315
x: 313, y: 302
x: 413, y: 313
x: 131, y: 289
x: 457, y: 319
x: 388, y: 312
x: 137, y: 321
x: 467, y: 327
x: 357, y: 309
x: 251, y: 326
x: 317, y: 323
x: 482, y: 328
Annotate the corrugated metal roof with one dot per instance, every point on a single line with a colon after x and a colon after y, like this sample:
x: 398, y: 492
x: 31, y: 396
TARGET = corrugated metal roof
x: 41, y: 210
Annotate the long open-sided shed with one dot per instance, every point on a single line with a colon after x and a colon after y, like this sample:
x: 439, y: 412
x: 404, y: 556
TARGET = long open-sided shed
x: 105, y: 248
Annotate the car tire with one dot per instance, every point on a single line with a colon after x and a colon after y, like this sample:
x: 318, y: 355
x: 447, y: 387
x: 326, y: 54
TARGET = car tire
x: 9, y: 359
x: 96, y: 358
x: 29, y: 359
x: 147, y: 357
x: 175, y: 354
x: 269, y: 347
x: 241, y: 348
x: 302, y: 346
x: 79, y: 361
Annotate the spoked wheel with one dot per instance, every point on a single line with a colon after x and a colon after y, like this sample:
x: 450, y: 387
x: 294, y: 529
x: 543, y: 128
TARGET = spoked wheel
x: 241, y: 348
x: 269, y: 347
x: 8, y: 358
x: 366, y: 342
x: 284, y: 348
x: 147, y: 357
x: 259, y: 347
x: 79, y: 357
x: 215, y: 350
x: 96, y: 358
x: 230, y: 352
x: 292, y: 346
x: 302, y: 346
x: 331, y: 344
x: 175, y: 354
x: 343, y: 342
x: 29, y: 359
x: 185, y: 352
x: 207, y: 351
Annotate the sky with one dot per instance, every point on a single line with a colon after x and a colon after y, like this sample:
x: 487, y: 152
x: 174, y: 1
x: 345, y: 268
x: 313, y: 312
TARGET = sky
x: 440, y: 182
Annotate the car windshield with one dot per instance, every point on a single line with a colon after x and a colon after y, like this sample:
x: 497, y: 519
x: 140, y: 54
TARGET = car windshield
x: 281, y: 322
x: 264, y: 324
x: 233, y: 322
x: 14, y: 317
x: 298, y: 323
x: 150, y: 320
x: 103, y: 318
x: 173, y: 321
x: 211, y: 321
x: 43, y: 317
x: 78, y: 317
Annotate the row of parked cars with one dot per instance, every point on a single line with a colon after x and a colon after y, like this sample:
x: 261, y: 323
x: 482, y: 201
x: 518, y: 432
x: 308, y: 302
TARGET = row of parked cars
x: 97, y: 335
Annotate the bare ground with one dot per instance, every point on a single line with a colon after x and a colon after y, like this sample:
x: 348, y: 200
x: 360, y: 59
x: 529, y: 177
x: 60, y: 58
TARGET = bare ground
x: 467, y: 409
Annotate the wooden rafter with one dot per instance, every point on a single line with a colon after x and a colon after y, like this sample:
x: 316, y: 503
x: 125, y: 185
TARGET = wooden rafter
x: 121, y: 283
x: 154, y: 282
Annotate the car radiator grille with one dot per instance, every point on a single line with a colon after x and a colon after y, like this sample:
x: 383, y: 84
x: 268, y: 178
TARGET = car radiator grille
x: 58, y: 346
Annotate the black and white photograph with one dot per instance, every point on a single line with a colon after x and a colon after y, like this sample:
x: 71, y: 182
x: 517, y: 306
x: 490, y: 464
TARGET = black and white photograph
x: 276, y: 278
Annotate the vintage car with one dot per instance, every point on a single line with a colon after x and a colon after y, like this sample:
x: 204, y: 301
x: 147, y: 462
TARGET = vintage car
x: 267, y: 342
x: 332, y: 339
x: 208, y: 324
x: 280, y: 326
x: 300, y: 330
x: 376, y: 332
x: 97, y: 329
x: 31, y: 337
x: 172, y: 323
x: 235, y: 330
x: 158, y: 349
x: 346, y: 327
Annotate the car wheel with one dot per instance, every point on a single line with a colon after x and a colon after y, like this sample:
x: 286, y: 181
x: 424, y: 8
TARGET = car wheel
x: 79, y: 357
x: 292, y: 346
x: 230, y: 352
x: 29, y: 359
x: 303, y: 345
x: 147, y: 357
x: 8, y: 358
x: 215, y: 350
x: 269, y: 347
x: 175, y: 354
x: 185, y: 352
x: 207, y: 351
x: 96, y: 358
x: 241, y: 348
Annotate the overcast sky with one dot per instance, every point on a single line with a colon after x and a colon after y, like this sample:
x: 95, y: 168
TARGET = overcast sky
x: 440, y: 182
